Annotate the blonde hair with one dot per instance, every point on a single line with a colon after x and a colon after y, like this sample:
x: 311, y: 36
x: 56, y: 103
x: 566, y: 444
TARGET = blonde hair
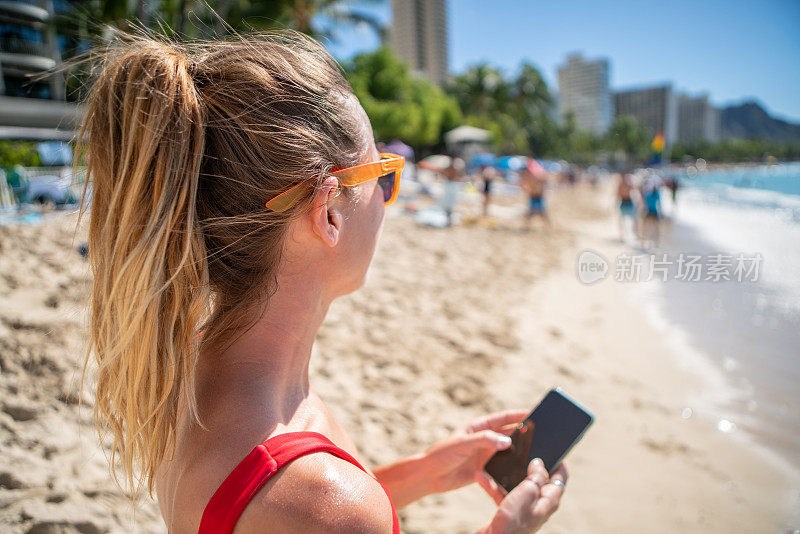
x: 184, y: 145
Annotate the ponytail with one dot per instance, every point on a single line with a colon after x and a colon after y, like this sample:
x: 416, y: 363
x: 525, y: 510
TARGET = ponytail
x: 145, y: 127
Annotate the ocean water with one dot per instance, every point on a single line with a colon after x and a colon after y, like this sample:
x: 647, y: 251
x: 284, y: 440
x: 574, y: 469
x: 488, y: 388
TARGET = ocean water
x: 748, y: 330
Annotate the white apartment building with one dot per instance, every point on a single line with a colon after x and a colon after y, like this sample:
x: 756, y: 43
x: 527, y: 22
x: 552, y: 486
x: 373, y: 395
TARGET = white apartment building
x: 583, y: 88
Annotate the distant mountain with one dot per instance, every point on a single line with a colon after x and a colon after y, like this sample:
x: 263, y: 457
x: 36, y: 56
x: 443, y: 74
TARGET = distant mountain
x: 750, y: 121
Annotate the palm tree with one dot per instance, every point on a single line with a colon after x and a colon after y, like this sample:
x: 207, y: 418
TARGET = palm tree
x: 529, y: 92
x: 481, y: 90
x: 303, y: 16
x: 214, y: 16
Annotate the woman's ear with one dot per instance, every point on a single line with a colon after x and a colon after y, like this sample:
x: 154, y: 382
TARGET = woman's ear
x: 325, y: 218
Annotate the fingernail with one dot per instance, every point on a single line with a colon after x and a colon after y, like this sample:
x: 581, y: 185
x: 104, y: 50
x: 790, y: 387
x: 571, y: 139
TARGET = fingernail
x: 538, y: 461
x: 504, y: 441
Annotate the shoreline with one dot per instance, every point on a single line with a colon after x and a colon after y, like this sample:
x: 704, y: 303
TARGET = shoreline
x: 747, y: 331
x: 707, y: 390
x: 679, y: 474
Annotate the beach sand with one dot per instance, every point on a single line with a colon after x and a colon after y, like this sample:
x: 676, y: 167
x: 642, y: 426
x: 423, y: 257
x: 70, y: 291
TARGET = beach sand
x: 450, y: 325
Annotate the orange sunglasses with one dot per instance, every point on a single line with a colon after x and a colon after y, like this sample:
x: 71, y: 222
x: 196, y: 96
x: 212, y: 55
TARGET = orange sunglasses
x: 387, y: 171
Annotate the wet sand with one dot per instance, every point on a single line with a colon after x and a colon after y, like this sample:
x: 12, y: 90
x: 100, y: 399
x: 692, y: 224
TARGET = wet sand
x: 451, y: 324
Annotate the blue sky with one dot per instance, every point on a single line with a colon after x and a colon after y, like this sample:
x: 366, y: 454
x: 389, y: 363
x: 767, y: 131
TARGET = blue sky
x: 735, y: 50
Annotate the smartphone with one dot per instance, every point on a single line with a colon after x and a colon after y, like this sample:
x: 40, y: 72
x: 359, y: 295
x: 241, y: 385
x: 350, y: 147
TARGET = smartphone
x: 549, y: 432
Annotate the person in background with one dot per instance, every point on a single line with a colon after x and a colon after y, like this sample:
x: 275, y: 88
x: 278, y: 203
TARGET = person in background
x: 453, y: 176
x: 651, y: 199
x: 533, y: 180
x: 572, y: 175
x: 627, y: 205
x: 673, y: 185
x: 237, y: 191
x: 488, y: 174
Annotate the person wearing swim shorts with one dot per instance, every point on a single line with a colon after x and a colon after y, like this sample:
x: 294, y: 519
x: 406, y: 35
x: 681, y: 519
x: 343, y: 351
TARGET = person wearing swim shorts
x: 627, y: 206
x: 236, y: 192
x: 533, y: 184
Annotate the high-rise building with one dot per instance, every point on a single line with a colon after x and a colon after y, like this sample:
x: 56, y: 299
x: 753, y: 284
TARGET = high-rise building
x: 655, y: 107
x: 418, y: 35
x: 698, y: 120
x: 583, y: 88
x: 30, y: 46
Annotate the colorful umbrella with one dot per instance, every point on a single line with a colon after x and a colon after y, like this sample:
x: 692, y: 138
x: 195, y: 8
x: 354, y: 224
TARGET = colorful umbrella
x: 401, y: 149
x: 535, y: 168
x: 511, y: 163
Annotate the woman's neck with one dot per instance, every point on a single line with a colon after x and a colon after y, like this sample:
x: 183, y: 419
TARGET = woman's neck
x: 272, y: 357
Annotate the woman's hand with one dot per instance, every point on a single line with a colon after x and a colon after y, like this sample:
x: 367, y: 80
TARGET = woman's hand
x: 459, y: 459
x: 530, y: 504
x: 451, y: 463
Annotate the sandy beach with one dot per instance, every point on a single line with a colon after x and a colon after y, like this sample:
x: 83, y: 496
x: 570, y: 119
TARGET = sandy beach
x: 451, y: 324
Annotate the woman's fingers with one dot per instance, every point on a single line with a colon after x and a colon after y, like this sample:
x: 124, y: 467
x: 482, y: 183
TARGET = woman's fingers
x: 561, y: 474
x: 495, y: 491
x: 549, y: 499
x: 546, y: 504
x: 532, y: 502
x: 497, y: 421
x: 537, y: 473
x: 551, y: 493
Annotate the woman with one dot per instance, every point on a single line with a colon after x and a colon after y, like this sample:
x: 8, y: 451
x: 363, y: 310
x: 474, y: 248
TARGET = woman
x: 237, y: 191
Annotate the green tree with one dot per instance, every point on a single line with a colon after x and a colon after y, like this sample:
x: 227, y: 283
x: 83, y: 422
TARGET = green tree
x: 95, y: 21
x: 481, y: 91
x: 735, y: 151
x: 515, y: 110
x: 306, y: 16
x: 546, y: 138
x: 18, y: 153
x: 629, y: 136
x: 529, y: 92
x: 531, y: 103
x: 216, y: 17
x: 400, y: 105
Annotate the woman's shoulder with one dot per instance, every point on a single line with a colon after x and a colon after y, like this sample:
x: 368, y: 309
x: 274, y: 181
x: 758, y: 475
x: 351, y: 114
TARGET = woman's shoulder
x: 319, y: 493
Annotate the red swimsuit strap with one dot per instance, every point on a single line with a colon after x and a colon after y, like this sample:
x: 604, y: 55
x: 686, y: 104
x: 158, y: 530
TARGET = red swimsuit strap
x: 227, y: 504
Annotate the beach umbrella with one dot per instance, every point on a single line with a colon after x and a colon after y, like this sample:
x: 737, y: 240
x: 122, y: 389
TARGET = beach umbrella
x: 437, y: 162
x: 551, y: 166
x: 511, y: 163
x: 401, y: 149
x: 466, y: 134
x: 535, y: 168
x: 482, y: 159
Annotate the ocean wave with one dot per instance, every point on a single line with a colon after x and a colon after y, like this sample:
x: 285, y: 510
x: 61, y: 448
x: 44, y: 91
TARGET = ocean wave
x: 784, y: 206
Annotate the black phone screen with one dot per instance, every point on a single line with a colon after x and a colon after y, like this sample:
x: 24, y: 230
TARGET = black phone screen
x: 549, y: 432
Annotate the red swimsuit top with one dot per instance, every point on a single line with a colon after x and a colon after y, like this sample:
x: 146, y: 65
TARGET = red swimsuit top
x: 227, y: 504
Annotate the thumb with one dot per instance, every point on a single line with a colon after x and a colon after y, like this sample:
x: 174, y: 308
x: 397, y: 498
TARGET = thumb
x: 491, y: 440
